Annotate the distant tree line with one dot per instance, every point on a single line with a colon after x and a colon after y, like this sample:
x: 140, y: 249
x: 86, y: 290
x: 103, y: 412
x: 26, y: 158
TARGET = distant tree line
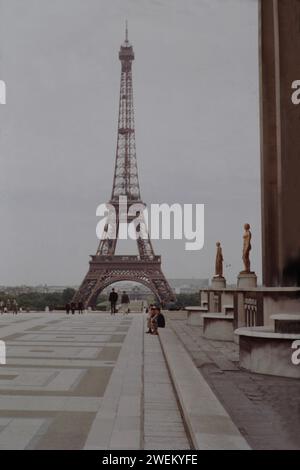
x: 186, y: 300
x: 39, y: 301
x: 58, y: 300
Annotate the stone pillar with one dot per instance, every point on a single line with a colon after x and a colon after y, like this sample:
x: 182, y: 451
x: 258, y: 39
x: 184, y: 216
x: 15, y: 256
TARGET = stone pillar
x: 247, y: 280
x: 214, y: 306
x: 218, y: 282
x: 280, y: 141
x: 239, y: 310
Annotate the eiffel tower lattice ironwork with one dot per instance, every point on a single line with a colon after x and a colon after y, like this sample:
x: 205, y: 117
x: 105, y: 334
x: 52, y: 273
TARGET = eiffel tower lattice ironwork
x: 105, y: 267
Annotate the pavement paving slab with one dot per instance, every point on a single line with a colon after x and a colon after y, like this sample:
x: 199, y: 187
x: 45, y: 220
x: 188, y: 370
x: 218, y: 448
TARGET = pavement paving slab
x: 99, y: 382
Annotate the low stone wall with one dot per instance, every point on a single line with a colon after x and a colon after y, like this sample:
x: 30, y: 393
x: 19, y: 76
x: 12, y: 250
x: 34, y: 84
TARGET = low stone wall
x: 194, y: 315
x: 265, y: 352
x: 176, y: 314
x: 218, y: 326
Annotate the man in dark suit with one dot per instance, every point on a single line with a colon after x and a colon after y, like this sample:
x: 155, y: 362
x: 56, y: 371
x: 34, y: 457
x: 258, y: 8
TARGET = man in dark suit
x: 113, y: 298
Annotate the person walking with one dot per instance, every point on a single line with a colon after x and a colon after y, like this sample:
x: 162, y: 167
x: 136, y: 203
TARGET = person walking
x: 68, y: 308
x: 80, y: 307
x: 113, y: 299
x: 73, y: 308
x: 15, y: 307
x: 125, y: 301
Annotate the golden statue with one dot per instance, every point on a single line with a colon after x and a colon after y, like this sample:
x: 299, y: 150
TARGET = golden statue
x: 246, y: 248
x: 219, y: 261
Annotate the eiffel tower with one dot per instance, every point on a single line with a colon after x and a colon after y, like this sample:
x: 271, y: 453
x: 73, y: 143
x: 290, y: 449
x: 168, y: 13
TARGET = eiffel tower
x: 106, y: 267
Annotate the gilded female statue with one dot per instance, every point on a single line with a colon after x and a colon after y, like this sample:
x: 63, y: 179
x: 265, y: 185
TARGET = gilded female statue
x: 219, y: 261
x: 246, y: 248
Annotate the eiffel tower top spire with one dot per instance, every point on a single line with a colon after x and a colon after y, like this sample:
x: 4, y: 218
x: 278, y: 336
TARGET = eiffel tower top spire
x: 126, y: 182
x: 126, y: 32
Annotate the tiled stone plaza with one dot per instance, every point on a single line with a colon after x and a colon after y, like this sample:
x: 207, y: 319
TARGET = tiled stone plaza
x: 57, y: 371
x: 77, y: 382
x: 96, y: 381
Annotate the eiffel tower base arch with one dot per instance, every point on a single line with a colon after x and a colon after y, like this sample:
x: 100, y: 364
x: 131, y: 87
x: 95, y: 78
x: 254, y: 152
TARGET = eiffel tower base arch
x: 106, y: 270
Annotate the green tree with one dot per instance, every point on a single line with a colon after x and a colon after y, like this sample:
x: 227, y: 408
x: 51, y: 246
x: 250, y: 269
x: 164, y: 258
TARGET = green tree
x: 68, y: 295
x: 188, y: 299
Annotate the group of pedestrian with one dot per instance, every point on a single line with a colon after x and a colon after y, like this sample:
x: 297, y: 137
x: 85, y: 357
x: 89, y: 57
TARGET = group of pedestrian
x: 155, y: 317
x: 155, y: 320
x: 9, y: 306
x: 72, y: 307
x: 125, y: 302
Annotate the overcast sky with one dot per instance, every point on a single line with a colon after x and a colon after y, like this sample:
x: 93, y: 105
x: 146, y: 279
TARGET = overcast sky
x: 197, y: 127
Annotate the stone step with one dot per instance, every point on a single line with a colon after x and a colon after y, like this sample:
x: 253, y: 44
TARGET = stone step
x: 209, y: 425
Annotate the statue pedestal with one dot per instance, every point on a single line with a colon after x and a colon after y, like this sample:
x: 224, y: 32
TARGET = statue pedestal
x: 247, y: 279
x: 218, y: 282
